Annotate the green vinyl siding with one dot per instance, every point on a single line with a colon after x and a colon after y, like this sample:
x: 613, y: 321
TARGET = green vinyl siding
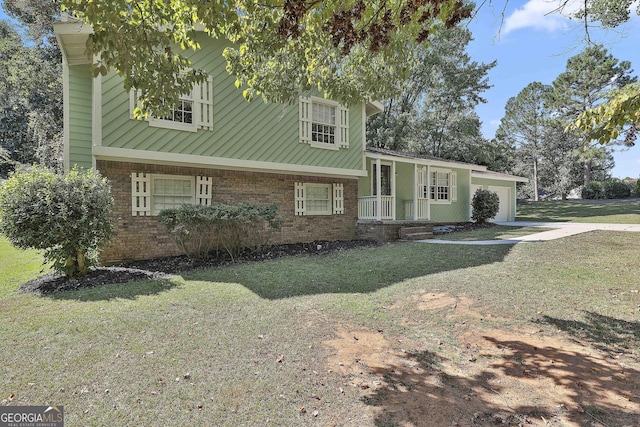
x: 457, y: 211
x: 404, y: 189
x: 80, y: 86
x: 255, y: 131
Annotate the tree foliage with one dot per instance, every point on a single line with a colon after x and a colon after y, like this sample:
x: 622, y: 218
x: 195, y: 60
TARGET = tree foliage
x: 433, y: 113
x: 67, y: 216
x: 586, y: 84
x: 350, y: 50
x: 30, y: 102
x: 620, y: 116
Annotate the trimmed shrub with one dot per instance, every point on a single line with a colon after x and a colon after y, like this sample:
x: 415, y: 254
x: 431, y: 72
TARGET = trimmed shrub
x: 485, y: 205
x: 201, y: 230
x: 67, y: 216
x: 616, y: 189
x: 593, y: 190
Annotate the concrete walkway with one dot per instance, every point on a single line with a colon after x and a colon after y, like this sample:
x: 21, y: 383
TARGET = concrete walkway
x: 560, y: 229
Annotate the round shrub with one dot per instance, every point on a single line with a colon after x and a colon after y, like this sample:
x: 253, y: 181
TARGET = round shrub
x: 67, y: 216
x: 616, y: 189
x: 593, y: 190
x: 485, y: 205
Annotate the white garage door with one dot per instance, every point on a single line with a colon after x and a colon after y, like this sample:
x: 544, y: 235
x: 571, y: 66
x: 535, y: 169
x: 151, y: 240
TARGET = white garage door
x: 505, y: 205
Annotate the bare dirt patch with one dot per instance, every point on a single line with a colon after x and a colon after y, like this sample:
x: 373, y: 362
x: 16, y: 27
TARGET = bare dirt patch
x: 534, y: 377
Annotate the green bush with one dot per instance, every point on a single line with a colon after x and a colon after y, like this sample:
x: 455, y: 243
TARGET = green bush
x: 637, y: 188
x: 616, y: 189
x: 201, y: 230
x: 485, y: 205
x: 593, y: 190
x: 67, y: 216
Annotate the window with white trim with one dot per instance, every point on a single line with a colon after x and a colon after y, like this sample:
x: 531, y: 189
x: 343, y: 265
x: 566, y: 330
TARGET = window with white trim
x: 192, y: 112
x: 323, y: 123
x: 443, y: 186
x: 151, y: 193
x: 319, y: 199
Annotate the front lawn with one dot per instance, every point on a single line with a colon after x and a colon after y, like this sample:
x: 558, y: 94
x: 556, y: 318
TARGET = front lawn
x: 402, y: 334
x: 612, y: 211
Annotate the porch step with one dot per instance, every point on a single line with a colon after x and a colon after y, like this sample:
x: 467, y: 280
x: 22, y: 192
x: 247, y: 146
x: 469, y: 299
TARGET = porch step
x: 415, y: 233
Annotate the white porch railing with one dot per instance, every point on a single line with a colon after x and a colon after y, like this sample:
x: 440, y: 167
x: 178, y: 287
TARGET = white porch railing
x: 423, y: 209
x: 368, y: 209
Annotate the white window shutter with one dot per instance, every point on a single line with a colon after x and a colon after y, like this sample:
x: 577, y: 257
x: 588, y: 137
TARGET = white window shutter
x: 338, y: 199
x: 133, y: 101
x: 423, y: 187
x: 304, y: 121
x: 343, y: 126
x: 203, y: 190
x: 204, y: 101
x: 299, y: 198
x: 140, y: 194
x: 454, y: 186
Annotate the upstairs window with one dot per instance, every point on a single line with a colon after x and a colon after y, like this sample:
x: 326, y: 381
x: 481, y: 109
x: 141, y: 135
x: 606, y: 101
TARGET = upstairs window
x: 323, y: 123
x: 192, y: 112
x: 182, y: 112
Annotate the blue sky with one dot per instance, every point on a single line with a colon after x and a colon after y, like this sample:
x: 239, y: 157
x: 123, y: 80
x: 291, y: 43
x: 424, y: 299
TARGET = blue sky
x: 531, y: 46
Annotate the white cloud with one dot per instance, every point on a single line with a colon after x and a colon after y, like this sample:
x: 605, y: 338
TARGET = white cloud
x: 540, y: 15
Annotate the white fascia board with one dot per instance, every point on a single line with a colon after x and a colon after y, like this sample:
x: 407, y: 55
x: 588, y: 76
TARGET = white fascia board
x: 374, y: 107
x: 425, y: 162
x: 499, y: 177
x: 189, y: 160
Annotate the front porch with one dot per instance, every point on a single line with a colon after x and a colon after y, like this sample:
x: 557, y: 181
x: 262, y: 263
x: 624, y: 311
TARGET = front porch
x: 368, y: 208
x: 394, y: 191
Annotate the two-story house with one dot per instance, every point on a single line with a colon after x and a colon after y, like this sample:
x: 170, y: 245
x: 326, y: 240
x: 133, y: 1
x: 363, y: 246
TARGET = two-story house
x: 215, y: 147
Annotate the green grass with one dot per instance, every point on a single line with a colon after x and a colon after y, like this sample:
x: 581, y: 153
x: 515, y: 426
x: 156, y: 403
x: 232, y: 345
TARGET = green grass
x: 617, y: 212
x: 16, y: 267
x: 246, y: 344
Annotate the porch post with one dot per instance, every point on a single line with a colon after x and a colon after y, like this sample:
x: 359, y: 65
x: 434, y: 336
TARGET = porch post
x: 393, y: 190
x: 415, y: 191
x: 378, y: 189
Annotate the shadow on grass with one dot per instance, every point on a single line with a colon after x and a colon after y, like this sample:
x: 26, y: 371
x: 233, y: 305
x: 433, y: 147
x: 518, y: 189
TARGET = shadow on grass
x: 353, y: 271
x: 416, y: 391
x: 562, y: 211
x: 608, y: 334
x: 105, y: 292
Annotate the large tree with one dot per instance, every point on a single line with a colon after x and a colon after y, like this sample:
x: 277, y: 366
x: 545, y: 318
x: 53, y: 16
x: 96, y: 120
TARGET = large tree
x: 525, y: 125
x: 589, y: 78
x: 30, y: 101
x: 350, y: 50
x: 433, y: 113
x: 620, y: 116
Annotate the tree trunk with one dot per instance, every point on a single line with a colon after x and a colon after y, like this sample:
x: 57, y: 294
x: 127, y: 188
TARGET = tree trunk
x: 587, y: 172
x: 535, y: 180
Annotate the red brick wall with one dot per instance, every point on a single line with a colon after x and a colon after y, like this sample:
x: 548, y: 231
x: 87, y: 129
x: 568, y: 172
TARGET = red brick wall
x: 140, y: 237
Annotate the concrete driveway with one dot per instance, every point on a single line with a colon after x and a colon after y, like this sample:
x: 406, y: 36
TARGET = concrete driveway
x: 560, y: 229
